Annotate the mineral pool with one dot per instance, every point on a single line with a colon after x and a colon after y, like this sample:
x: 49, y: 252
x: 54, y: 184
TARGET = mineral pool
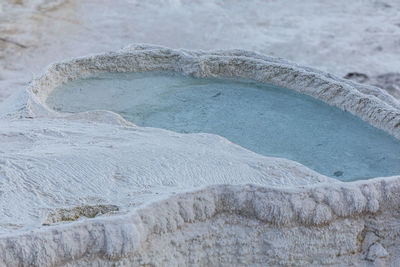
x: 269, y: 120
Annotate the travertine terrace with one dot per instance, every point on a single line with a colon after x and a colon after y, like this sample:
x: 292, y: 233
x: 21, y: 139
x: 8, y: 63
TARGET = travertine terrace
x: 163, y: 198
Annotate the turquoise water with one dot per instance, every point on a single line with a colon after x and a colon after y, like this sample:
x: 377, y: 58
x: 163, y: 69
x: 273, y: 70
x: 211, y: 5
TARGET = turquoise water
x: 269, y: 120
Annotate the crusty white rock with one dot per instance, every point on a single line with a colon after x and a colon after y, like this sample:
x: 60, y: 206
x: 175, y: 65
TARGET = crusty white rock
x: 170, y: 206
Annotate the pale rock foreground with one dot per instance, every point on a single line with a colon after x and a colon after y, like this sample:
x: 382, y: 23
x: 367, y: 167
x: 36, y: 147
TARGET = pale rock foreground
x: 183, y: 199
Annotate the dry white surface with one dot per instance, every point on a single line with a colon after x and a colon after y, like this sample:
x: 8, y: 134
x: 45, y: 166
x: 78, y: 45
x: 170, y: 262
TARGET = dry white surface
x: 149, y: 183
x: 335, y: 36
x: 50, y: 161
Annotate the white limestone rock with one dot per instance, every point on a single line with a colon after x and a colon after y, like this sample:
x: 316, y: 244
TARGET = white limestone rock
x: 376, y: 251
x: 210, y: 202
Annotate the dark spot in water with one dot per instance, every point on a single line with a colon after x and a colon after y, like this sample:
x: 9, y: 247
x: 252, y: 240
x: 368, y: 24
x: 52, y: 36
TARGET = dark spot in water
x: 217, y: 94
x: 319, y: 144
x: 338, y: 173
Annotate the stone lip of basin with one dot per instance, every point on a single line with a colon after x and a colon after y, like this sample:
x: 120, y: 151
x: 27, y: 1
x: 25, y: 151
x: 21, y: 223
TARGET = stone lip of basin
x: 321, y: 222
x: 369, y: 103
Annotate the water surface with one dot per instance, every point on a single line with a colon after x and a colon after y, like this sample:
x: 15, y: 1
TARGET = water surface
x: 269, y: 120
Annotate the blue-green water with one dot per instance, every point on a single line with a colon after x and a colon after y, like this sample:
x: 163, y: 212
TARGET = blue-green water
x: 269, y: 120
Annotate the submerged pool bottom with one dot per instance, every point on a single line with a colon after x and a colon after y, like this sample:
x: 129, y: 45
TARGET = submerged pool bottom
x: 270, y: 120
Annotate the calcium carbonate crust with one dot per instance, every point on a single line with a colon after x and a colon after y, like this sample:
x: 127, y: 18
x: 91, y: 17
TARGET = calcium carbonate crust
x: 339, y: 224
x: 326, y: 223
x: 369, y: 103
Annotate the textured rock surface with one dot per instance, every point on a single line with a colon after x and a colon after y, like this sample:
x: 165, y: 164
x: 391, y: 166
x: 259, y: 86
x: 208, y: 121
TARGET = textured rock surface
x: 335, y: 36
x: 289, y: 216
x: 388, y: 81
x: 230, y: 225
